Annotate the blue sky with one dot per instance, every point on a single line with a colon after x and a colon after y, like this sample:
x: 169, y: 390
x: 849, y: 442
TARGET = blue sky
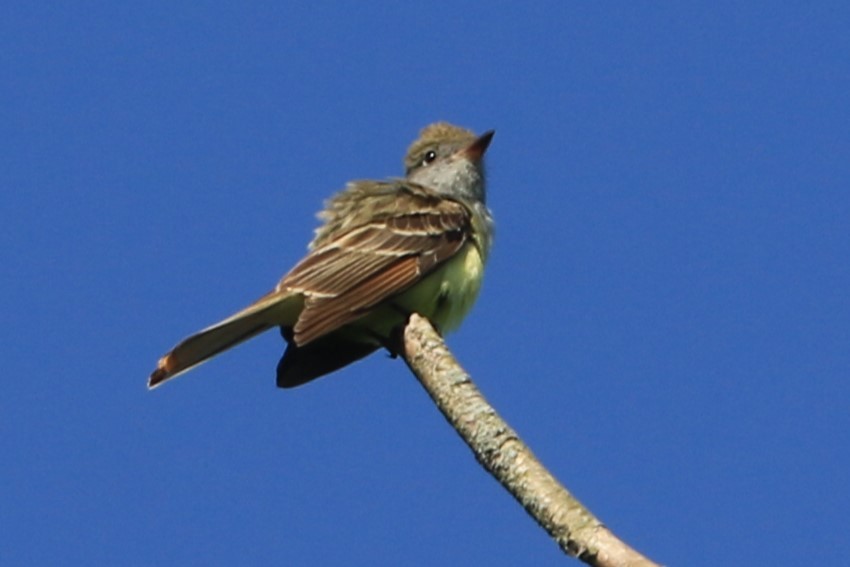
x: 664, y: 318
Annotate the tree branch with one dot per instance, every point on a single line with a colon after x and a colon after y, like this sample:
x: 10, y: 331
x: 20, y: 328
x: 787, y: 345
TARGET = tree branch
x: 500, y: 450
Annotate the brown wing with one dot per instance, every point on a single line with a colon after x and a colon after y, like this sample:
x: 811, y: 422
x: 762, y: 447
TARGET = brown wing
x: 348, y: 274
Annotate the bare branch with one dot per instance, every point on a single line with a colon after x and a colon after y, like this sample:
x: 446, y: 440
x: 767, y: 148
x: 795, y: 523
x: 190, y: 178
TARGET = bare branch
x: 500, y: 450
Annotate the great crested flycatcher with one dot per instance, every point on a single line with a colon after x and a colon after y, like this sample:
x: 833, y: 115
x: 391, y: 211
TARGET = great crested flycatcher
x: 386, y: 249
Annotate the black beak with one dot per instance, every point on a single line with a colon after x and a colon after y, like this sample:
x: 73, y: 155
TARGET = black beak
x: 475, y: 150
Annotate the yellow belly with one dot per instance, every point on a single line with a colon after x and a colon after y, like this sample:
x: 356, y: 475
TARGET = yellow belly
x: 447, y: 295
x: 444, y: 297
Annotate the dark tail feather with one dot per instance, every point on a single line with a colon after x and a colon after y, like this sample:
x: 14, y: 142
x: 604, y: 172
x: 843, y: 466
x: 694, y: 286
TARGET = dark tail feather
x: 299, y: 365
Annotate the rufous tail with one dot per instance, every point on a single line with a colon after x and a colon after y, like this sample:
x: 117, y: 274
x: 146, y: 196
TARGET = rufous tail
x: 270, y: 311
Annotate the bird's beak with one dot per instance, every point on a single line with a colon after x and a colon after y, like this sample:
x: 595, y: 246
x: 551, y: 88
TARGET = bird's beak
x: 475, y: 150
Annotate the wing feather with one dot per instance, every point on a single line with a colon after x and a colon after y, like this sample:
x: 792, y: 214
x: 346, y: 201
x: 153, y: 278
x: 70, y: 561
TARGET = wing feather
x: 323, y: 316
x: 348, y: 273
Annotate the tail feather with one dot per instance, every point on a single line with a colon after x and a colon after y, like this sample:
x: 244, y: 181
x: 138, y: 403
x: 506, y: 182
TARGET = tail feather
x: 300, y: 364
x: 270, y: 311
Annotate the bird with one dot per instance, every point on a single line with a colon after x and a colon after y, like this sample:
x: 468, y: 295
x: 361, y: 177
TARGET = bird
x: 385, y: 249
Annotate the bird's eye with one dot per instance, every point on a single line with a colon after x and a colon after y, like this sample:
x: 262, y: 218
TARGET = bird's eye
x: 429, y: 157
